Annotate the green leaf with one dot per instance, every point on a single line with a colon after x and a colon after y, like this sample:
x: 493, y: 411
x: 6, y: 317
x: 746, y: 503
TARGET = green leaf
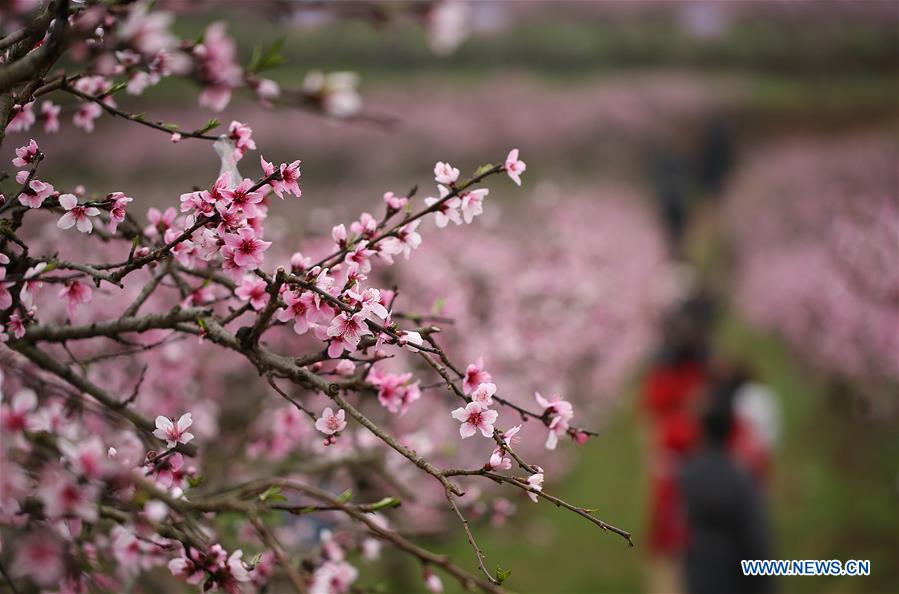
x: 116, y: 88
x: 438, y: 306
x: 386, y: 503
x: 483, y: 169
x: 213, y: 123
x: 502, y: 574
x: 265, y: 60
x: 270, y: 493
x: 345, y: 496
x: 255, y: 57
x: 140, y: 497
x: 170, y: 126
x: 195, y: 481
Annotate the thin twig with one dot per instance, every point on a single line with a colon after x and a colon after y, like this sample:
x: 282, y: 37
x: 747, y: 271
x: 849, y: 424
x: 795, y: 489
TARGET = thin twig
x: 272, y: 543
x: 477, y: 550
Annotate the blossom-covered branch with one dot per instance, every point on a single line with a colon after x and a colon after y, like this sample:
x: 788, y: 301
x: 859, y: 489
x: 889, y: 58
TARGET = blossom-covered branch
x: 125, y: 329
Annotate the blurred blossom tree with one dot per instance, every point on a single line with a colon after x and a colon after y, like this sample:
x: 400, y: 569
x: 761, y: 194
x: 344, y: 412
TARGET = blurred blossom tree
x: 124, y: 341
x: 581, y: 334
x: 816, y: 225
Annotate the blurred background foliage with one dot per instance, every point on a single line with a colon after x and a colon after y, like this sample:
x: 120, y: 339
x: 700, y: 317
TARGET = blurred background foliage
x: 595, y: 92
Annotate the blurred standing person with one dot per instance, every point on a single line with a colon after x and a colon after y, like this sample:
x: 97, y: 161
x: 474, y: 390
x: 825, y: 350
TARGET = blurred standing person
x: 725, y: 510
x: 671, y: 392
x: 715, y: 156
x: 667, y: 173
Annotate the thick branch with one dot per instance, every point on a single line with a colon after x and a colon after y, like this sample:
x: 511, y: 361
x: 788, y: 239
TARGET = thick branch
x: 33, y: 64
x: 114, y: 328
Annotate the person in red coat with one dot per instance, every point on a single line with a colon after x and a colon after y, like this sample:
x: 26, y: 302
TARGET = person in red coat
x: 671, y: 396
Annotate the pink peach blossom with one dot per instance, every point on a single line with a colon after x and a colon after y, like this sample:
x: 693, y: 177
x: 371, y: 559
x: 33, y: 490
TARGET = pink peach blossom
x: 345, y: 332
x: 396, y: 392
x: 246, y: 247
x: 514, y: 167
x: 76, y: 214
x: 159, y: 221
x: 499, y: 461
x: 32, y: 285
x: 359, y: 258
x: 366, y: 226
x: 290, y: 176
x: 254, y: 290
x: 174, y: 432
x: 333, y: 578
x: 475, y: 375
x: 25, y: 155
x: 88, y: 458
x: 117, y: 210
x: 85, y: 115
x: 474, y: 418
x: 395, y: 202
x: 39, y: 556
x: 241, y: 197
x: 473, y: 204
x: 75, y: 293
x: 445, y: 174
x: 370, y: 302
x: 16, y: 325
x: 34, y: 194
x: 50, y: 115
x: 433, y: 583
x: 535, y: 485
x: 241, y: 134
x: 330, y: 422
x: 17, y: 415
x: 559, y: 412
x: 406, y: 240
x: 64, y: 496
x: 483, y: 394
x: 300, y: 309
x: 446, y: 211
x: 22, y: 117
